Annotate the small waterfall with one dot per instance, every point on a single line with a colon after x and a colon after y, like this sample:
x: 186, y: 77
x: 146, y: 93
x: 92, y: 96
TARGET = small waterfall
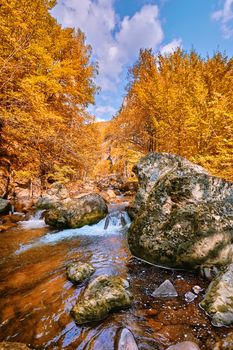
x: 35, y: 221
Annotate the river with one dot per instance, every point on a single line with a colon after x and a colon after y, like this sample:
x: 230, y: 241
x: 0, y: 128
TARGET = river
x: 36, y: 297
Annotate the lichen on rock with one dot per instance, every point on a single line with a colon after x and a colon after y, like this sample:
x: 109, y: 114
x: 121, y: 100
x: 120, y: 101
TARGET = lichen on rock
x: 184, y: 217
x: 78, y: 272
x: 103, y: 295
x: 86, y: 210
x: 218, y: 300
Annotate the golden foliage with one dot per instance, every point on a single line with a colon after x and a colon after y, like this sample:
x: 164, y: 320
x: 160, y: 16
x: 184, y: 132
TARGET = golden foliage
x: 182, y: 104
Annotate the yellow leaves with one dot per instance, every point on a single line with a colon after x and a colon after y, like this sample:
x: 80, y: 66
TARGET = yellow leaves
x: 181, y: 103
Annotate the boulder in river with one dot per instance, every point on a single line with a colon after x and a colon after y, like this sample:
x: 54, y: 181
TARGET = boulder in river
x: 78, y: 272
x: 183, y: 216
x: 103, y: 295
x: 218, y: 301
x: 5, y: 206
x: 226, y: 343
x: 86, y: 210
x: 46, y: 202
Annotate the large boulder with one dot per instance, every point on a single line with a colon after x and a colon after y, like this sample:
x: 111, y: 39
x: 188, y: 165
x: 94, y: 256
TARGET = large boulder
x: 103, y: 295
x: 86, y: 210
x: 218, y: 301
x: 5, y: 206
x: 183, y: 216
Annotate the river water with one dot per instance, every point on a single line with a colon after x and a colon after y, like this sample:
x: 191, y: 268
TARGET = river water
x: 36, y: 297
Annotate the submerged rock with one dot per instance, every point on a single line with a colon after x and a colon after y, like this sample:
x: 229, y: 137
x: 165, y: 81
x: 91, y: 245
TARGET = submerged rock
x: 5, y: 206
x: 103, y: 295
x: 78, y: 272
x: 218, y: 301
x: 165, y: 290
x: 184, y: 217
x: 185, y: 345
x: 126, y: 341
x: 225, y: 343
x: 86, y: 210
x: 13, y: 346
x: 189, y: 297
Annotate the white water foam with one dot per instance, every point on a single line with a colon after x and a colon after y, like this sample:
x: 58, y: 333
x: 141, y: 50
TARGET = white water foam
x: 114, y: 223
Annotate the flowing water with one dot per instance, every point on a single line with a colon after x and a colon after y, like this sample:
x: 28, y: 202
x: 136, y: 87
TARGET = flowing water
x: 36, y: 297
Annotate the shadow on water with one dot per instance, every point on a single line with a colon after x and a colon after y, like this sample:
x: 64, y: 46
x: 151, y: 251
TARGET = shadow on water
x: 36, y: 297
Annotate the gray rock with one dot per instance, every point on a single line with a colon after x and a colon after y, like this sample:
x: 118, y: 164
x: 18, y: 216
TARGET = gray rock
x: 5, y: 206
x: 186, y: 345
x: 189, y: 297
x: 46, y: 202
x: 165, y: 290
x: 78, y: 272
x: 126, y: 341
x: 86, y: 210
x: 184, y: 217
x: 103, y: 295
x: 218, y: 300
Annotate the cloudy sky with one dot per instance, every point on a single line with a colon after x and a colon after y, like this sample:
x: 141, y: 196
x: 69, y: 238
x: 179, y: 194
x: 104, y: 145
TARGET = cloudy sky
x: 117, y: 29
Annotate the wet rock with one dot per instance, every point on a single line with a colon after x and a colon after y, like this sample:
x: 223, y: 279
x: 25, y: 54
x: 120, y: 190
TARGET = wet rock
x: 46, y: 202
x: 218, y: 301
x: 126, y: 341
x: 86, y: 210
x: 225, y: 343
x: 103, y: 295
x: 197, y: 289
x: 183, y: 216
x: 165, y: 290
x: 5, y: 206
x: 13, y: 346
x: 186, y: 345
x: 78, y: 272
x: 189, y: 297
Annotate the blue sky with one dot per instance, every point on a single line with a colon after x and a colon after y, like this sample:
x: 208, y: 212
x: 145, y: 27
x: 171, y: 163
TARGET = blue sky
x: 117, y: 29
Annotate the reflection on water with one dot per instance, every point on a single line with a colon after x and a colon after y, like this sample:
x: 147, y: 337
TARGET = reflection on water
x: 36, y: 297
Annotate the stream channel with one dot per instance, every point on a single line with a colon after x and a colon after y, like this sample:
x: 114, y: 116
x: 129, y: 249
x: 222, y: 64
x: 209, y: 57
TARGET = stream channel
x: 36, y: 297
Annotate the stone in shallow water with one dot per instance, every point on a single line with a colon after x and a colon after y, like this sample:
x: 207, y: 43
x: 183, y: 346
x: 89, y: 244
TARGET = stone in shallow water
x: 218, y: 301
x: 225, y: 343
x: 189, y: 297
x: 186, y: 345
x: 165, y: 290
x: 103, y: 295
x: 197, y: 289
x: 126, y: 341
x: 78, y: 272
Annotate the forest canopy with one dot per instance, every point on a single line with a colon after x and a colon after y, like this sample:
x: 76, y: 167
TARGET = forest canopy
x: 180, y: 103
x: 46, y: 83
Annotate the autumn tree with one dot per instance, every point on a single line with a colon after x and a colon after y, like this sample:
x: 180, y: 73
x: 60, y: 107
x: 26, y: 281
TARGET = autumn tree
x: 46, y: 83
x: 181, y: 103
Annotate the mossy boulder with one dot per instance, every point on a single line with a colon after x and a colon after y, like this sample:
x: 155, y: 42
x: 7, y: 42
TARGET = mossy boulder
x: 86, y: 210
x: 103, y: 295
x: 5, y: 206
x: 46, y: 202
x: 183, y: 216
x: 218, y: 301
x: 78, y: 272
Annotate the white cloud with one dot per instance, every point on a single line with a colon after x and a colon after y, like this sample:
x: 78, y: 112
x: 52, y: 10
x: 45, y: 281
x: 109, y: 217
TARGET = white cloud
x: 225, y: 16
x: 115, y: 43
x: 105, y: 110
x: 171, y: 47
